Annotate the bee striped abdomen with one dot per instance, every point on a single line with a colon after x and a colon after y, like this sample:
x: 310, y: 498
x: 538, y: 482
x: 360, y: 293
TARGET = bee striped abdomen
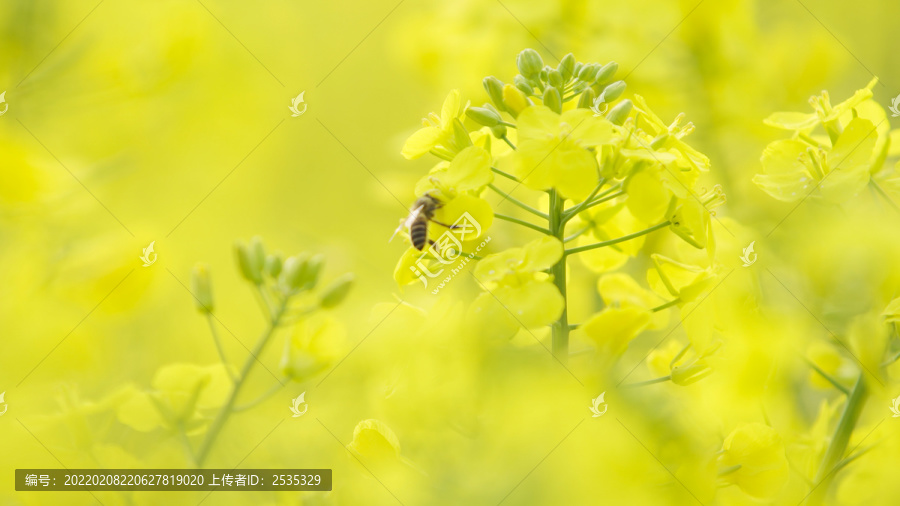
x: 418, y: 233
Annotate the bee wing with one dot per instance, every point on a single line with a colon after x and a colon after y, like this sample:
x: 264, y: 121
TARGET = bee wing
x: 408, y: 222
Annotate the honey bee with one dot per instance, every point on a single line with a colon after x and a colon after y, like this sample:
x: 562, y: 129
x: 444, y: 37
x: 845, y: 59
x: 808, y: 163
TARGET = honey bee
x: 421, y: 213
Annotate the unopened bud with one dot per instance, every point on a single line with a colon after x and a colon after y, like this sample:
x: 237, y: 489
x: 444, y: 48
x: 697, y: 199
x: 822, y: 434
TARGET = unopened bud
x: 461, y: 139
x: 620, y: 112
x: 553, y: 100
x: 529, y: 63
x: 523, y: 85
x: 294, y: 271
x: 250, y: 269
x: 606, y: 72
x: 567, y: 66
x: 201, y: 287
x: 587, y: 99
x: 613, y: 91
x: 335, y: 292
x: 494, y: 89
x: 483, y: 116
x: 589, y: 72
x: 555, y: 79
x: 273, y: 265
x: 659, y: 141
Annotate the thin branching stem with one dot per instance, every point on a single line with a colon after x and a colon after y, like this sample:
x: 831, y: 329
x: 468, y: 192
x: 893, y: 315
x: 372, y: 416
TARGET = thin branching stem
x: 219, y: 348
x: 507, y: 175
x: 666, y: 305
x: 828, y: 377
x: 856, y: 401
x: 884, y: 195
x: 569, y: 213
x: 521, y: 222
x: 617, y: 240
x: 272, y: 391
x: 518, y: 203
x: 219, y: 422
x: 648, y: 382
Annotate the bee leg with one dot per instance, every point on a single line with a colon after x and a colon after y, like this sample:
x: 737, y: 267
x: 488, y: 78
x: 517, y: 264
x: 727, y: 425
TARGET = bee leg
x: 445, y: 225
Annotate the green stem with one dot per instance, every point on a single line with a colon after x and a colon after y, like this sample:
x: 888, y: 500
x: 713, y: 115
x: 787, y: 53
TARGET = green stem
x: 840, y: 439
x: 648, y: 382
x: 508, y: 143
x: 227, y: 409
x: 616, y: 240
x: 827, y: 377
x: 884, y: 195
x: 215, y: 335
x: 604, y: 197
x: 518, y: 203
x: 667, y: 305
x: 577, y: 234
x: 569, y: 213
x: 560, y: 329
x: 521, y: 222
x: 261, y: 398
x: 504, y: 174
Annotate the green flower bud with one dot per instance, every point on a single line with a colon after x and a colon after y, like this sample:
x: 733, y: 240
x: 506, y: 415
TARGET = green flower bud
x: 529, y: 63
x: 555, y: 79
x: 294, y: 271
x: 589, y: 72
x: 523, y: 84
x: 483, y: 116
x: 201, y: 287
x: 659, y: 141
x: 567, y: 67
x: 545, y: 74
x: 499, y: 131
x: 335, y: 292
x: 494, y: 88
x: 250, y: 269
x: 257, y: 252
x: 613, y: 91
x: 587, y: 99
x: 314, y: 266
x: 620, y: 112
x: 273, y: 265
x: 606, y: 72
x: 577, y: 70
x: 461, y: 139
x: 553, y: 100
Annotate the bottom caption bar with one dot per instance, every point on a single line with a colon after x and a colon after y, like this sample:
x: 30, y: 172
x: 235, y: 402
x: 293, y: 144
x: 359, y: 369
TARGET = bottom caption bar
x: 36, y: 480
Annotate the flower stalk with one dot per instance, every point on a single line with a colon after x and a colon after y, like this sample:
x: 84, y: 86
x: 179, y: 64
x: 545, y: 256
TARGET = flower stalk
x: 219, y: 422
x: 560, y: 329
x: 852, y: 411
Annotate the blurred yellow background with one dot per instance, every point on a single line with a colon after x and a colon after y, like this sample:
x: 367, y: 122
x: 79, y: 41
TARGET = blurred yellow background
x: 135, y: 122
